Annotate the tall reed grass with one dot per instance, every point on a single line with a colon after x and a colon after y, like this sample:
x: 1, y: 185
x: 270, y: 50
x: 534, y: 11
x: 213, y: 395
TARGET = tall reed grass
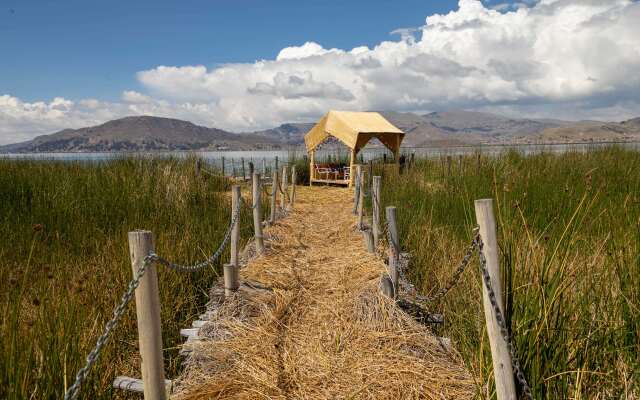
x: 64, y: 264
x: 569, y: 235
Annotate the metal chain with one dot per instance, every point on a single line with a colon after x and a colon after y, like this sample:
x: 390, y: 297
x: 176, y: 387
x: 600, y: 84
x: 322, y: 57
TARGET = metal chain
x: 455, y: 278
x: 515, y: 363
x: 82, y: 374
x: 214, y: 256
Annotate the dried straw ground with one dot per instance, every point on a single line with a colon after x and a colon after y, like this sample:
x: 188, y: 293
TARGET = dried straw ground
x: 309, y: 322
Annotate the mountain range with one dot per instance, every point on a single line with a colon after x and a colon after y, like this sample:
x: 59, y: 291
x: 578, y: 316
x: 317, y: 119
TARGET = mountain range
x: 457, y: 127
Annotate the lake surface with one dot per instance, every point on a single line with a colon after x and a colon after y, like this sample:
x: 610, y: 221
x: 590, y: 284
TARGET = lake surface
x: 266, y: 159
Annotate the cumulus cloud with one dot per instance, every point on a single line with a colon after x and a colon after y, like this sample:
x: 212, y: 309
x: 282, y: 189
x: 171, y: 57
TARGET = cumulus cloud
x: 551, y: 58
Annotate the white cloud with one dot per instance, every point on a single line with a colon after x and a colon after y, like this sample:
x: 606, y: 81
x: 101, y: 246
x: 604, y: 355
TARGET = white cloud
x: 553, y: 58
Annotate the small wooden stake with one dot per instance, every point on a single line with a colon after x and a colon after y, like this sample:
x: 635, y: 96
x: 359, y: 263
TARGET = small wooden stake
x: 148, y: 313
x: 448, y: 165
x: 274, y: 196
x: 244, y: 175
x: 368, y: 240
x: 502, y: 371
x: 231, y: 279
x: 285, y: 188
x: 294, y: 178
x: 394, y: 249
x: 197, y: 167
x: 257, y: 213
x: 222, y: 164
x: 375, y: 218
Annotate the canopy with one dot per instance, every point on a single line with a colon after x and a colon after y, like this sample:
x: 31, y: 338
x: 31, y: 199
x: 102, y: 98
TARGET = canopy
x: 354, y: 129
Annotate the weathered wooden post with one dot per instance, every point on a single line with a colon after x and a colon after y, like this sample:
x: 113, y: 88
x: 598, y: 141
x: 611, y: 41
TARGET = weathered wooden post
x: 360, y: 214
x: 235, y: 231
x: 356, y: 192
x: 370, y: 174
x: 231, y: 270
x: 244, y: 175
x: 148, y: 313
x: 257, y: 213
x: 448, y: 165
x: 197, y: 167
x: 394, y: 247
x: 222, y: 164
x: 502, y: 370
x: 368, y: 240
x: 233, y: 167
x: 460, y: 164
x: 294, y: 178
x: 412, y: 160
x: 478, y: 165
x: 375, y: 206
x: 251, y: 170
x: 277, y: 163
x: 274, y: 196
x: 264, y: 166
x: 285, y: 188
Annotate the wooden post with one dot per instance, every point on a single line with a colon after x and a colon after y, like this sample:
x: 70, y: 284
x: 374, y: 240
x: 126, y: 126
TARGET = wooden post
x: 312, y: 169
x: 222, y: 166
x: 244, y: 175
x: 460, y: 164
x: 231, y: 279
x: 361, y: 203
x: 251, y: 170
x: 368, y: 240
x: 394, y: 250
x: 448, y: 165
x: 148, y: 313
x: 412, y: 160
x: 277, y: 163
x: 370, y: 174
x: 274, y: 195
x: 478, y: 163
x: 294, y: 178
x: 264, y: 166
x: 235, y: 231
x: 257, y: 213
x: 375, y: 205
x: 356, y: 193
x: 285, y: 188
x: 197, y: 167
x: 386, y: 286
x: 502, y: 371
x: 233, y: 167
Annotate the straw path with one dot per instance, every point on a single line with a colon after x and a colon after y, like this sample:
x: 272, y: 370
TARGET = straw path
x: 309, y: 322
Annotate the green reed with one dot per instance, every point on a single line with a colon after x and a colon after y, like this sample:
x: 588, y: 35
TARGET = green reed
x: 569, y: 236
x: 64, y: 264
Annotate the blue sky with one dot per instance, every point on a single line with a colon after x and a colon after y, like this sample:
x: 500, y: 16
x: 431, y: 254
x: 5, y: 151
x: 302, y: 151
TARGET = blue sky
x: 78, y: 49
x: 249, y: 65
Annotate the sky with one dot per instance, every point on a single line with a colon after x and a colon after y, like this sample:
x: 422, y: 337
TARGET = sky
x: 249, y: 65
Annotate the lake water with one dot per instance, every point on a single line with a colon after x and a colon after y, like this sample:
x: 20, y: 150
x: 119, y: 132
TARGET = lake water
x: 263, y: 159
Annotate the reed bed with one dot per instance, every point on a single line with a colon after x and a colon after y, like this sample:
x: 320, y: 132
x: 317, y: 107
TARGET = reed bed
x: 569, y: 235
x: 64, y: 264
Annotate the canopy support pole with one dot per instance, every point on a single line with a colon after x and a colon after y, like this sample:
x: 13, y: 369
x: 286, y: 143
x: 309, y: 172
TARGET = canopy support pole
x: 351, y: 166
x: 312, y: 169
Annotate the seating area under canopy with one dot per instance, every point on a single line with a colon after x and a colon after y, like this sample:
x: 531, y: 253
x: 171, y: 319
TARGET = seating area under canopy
x: 355, y: 130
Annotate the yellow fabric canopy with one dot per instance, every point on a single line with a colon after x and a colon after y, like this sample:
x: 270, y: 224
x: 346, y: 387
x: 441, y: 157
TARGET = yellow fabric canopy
x: 354, y: 129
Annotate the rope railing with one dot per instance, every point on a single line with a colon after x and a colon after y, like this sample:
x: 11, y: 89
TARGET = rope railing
x: 502, y: 347
x: 231, y: 235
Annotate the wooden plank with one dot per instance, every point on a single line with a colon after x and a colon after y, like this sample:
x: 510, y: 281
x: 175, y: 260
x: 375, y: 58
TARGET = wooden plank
x: 135, y: 385
x: 190, y: 333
